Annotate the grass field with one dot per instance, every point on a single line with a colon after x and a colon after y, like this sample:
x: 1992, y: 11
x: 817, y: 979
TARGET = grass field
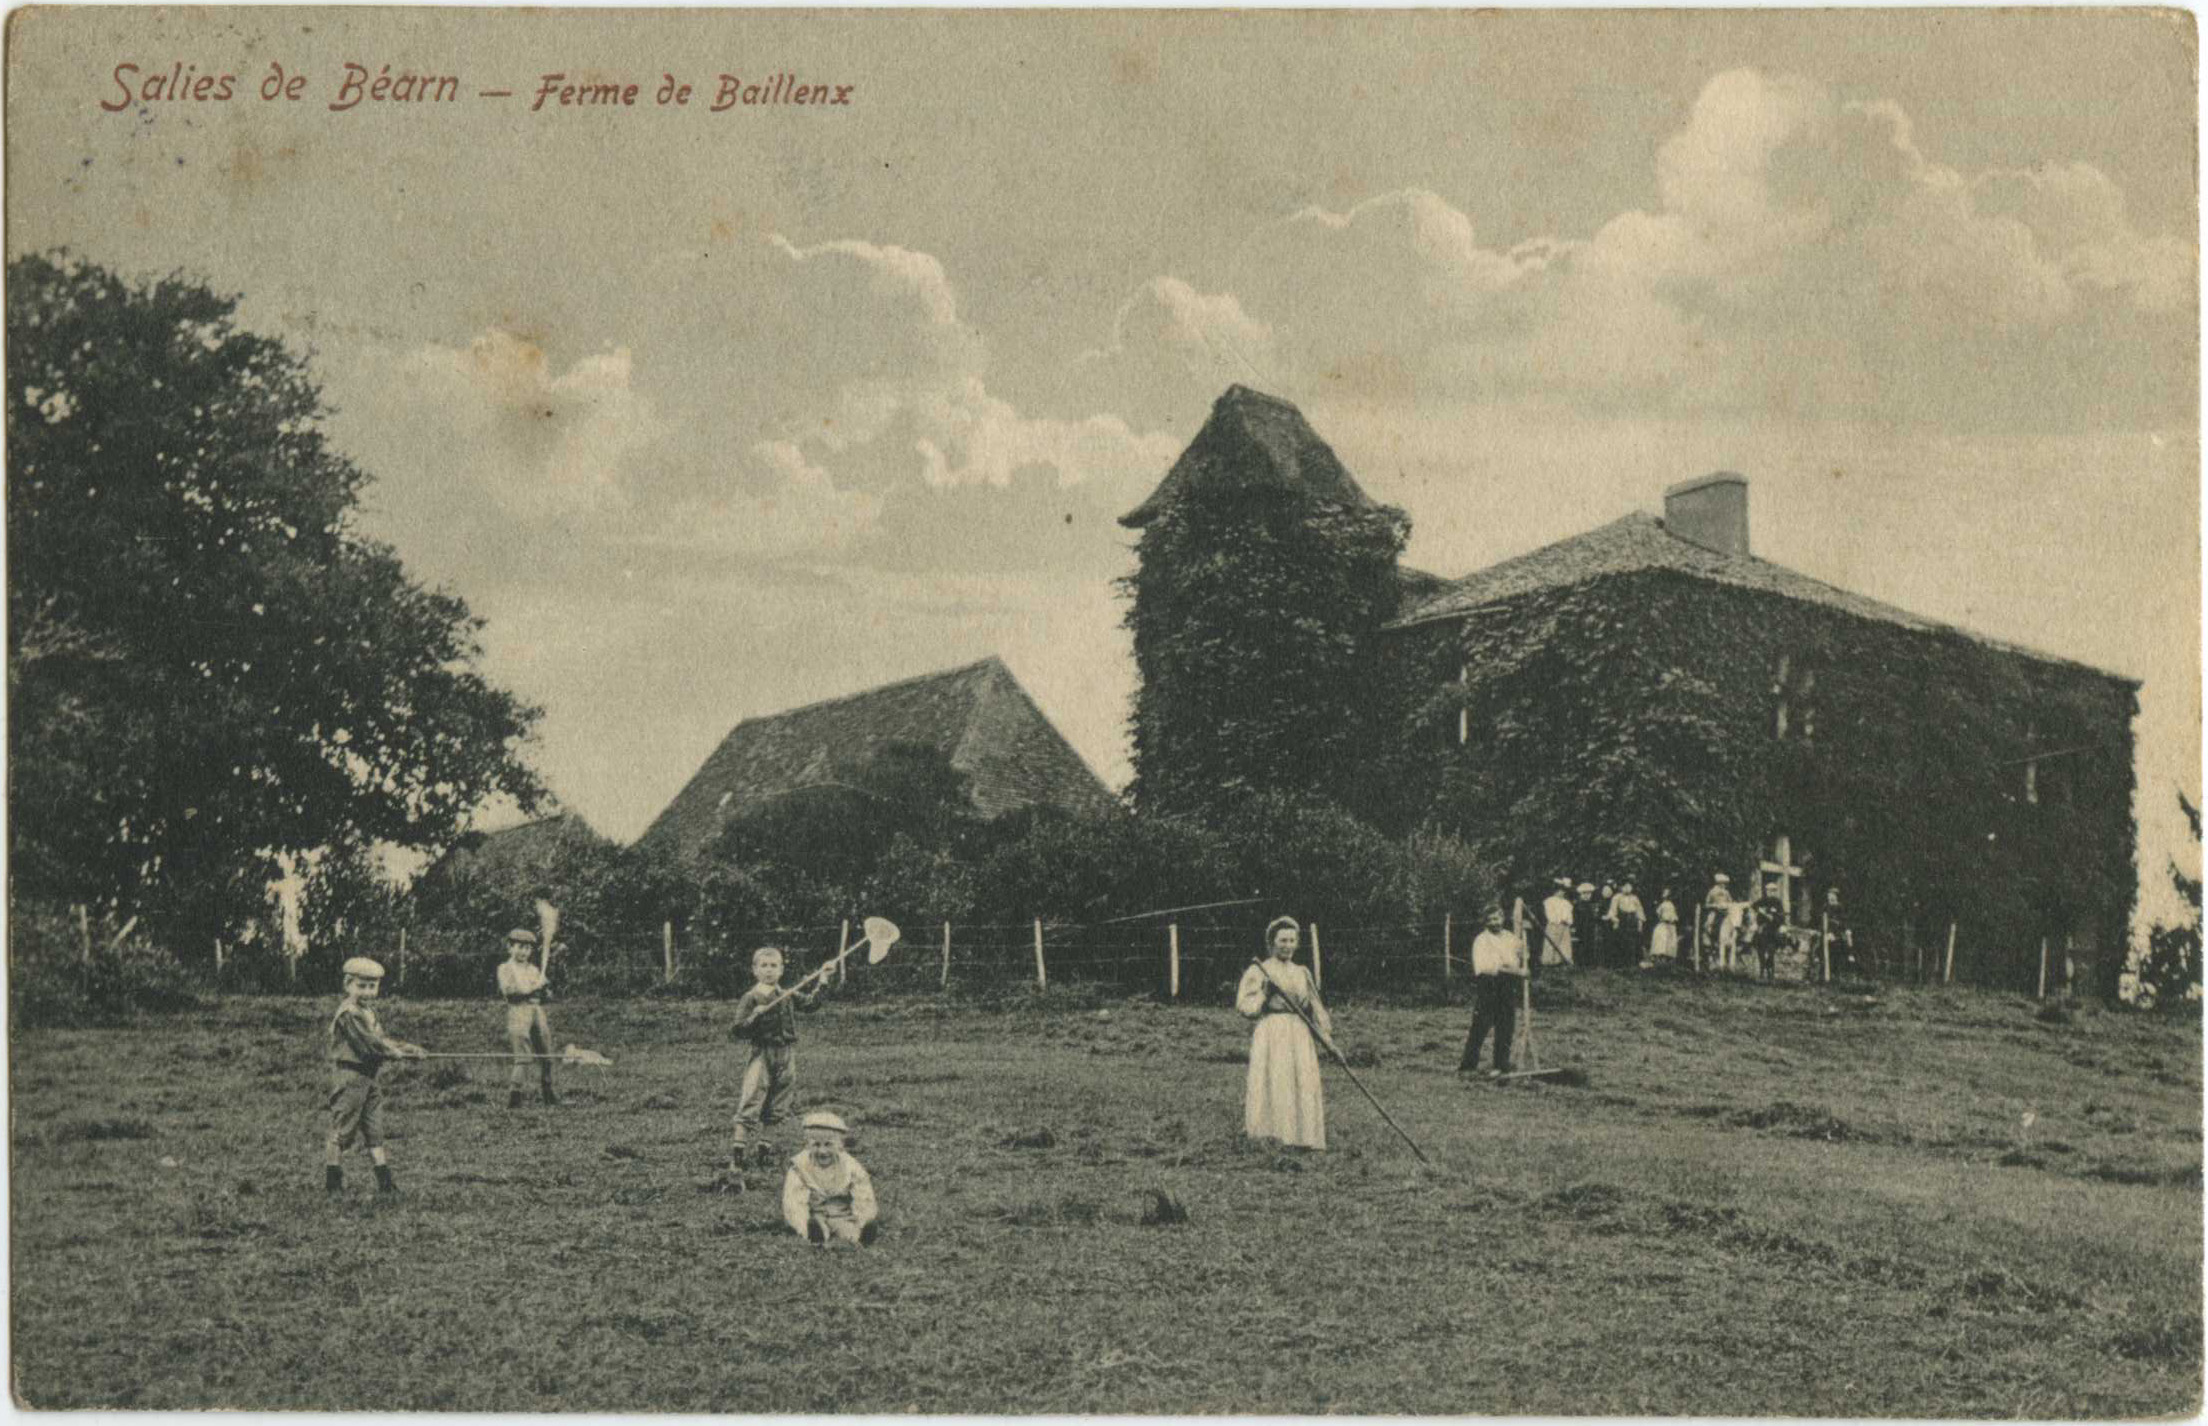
x: 1769, y: 1200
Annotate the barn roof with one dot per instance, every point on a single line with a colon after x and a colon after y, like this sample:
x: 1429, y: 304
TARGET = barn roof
x: 1252, y: 441
x: 1640, y: 542
x: 524, y: 849
x: 978, y: 716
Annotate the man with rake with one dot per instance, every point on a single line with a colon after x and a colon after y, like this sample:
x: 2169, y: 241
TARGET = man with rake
x: 1498, y: 970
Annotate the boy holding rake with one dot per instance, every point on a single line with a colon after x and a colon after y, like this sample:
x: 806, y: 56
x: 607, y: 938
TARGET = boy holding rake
x: 528, y: 1033
x: 358, y: 1047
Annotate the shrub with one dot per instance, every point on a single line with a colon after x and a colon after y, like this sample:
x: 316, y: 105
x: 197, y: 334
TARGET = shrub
x: 51, y: 983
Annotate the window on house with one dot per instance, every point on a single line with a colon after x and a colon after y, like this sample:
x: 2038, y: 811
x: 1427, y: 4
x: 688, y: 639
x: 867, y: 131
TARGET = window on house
x: 2031, y: 781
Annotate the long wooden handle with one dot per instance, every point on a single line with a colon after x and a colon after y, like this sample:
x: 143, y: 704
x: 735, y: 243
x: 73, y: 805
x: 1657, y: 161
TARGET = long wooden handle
x: 1533, y: 1056
x: 1312, y: 1026
x: 825, y: 967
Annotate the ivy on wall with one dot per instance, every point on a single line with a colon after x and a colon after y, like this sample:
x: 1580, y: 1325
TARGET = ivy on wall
x: 1256, y: 614
x: 1630, y: 726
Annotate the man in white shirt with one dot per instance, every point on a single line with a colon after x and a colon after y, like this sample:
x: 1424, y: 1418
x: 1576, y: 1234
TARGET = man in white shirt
x: 1498, y: 967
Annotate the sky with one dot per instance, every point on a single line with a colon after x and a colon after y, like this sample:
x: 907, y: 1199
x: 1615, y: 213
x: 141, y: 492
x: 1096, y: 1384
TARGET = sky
x: 712, y: 414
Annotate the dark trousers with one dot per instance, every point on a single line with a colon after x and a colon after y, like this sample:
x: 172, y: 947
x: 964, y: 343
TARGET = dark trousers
x: 1494, y: 1006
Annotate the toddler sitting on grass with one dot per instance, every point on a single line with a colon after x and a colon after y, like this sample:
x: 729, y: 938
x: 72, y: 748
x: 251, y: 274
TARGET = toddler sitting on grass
x: 827, y: 1197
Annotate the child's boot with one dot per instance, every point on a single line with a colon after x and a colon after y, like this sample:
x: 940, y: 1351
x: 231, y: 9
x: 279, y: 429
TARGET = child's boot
x: 549, y: 1097
x: 384, y: 1181
x: 333, y: 1179
x: 762, y: 1154
x: 513, y: 1099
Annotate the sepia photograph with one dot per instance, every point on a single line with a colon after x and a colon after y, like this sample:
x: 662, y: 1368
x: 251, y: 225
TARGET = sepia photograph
x: 1134, y: 712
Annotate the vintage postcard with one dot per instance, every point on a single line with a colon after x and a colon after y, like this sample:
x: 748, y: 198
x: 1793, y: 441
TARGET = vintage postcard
x: 1140, y: 712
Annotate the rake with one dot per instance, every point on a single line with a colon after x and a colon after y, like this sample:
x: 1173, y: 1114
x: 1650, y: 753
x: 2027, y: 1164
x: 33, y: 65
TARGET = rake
x: 1328, y: 1041
x: 572, y: 1055
x: 1574, y: 1077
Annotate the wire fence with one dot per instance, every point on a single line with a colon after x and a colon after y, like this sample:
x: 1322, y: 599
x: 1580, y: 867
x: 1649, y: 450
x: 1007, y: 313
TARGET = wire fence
x: 1198, y: 959
x: 1194, y: 955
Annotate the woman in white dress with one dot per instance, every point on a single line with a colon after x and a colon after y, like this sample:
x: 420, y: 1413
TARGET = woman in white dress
x: 1285, y: 1099
x: 1664, y: 945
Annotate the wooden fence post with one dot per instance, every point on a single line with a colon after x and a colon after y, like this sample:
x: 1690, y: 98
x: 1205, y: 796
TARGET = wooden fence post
x: 218, y: 955
x: 667, y: 949
x: 1318, y: 961
x: 843, y: 938
x: 84, y: 935
x: 946, y: 955
x: 1949, y: 977
x: 1173, y: 960
x: 2043, y: 968
x: 1447, y: 970
x: 1042, y: 978
x: 1825, y: 940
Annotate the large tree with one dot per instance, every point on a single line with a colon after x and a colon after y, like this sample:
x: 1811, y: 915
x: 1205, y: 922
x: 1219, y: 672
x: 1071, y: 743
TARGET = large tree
x: 208, y: 663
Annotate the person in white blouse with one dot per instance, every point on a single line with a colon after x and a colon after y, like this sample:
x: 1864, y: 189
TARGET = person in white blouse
x: 1284, y: 1098
x: 1556, y: 927
x: 1663, y: 946
x: 528, y: 1030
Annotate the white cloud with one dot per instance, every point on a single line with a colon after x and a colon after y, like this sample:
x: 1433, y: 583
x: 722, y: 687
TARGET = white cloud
x: 896, y: 272
x: 966, y: 437
x: 1808, y: 256
x: 929, y: 415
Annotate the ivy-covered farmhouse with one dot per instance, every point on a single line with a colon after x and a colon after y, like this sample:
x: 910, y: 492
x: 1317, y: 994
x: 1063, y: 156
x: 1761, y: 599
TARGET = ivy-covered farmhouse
x: 1646, y: 701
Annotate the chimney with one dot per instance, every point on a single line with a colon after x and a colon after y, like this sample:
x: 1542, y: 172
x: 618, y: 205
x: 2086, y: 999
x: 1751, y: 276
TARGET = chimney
x: 1711, y: 511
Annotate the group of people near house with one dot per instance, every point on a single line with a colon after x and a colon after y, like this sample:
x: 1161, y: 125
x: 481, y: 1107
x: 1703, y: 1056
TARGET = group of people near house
x: 1610, y: 926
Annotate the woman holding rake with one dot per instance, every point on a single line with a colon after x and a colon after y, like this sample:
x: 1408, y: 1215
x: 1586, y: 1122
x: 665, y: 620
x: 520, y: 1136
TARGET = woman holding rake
x: 1285, y: 1098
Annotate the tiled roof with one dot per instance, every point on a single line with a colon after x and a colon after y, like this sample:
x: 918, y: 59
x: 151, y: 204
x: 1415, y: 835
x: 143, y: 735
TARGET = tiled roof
x: 519, y: 851
x: 1253, y: 440
x: 1413, y: 586
x: 978, y: 716
x: 1639, y: 542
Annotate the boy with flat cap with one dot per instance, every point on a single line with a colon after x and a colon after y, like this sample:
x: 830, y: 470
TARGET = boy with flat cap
x: 528, y: 1032
x: 358, y: 1049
